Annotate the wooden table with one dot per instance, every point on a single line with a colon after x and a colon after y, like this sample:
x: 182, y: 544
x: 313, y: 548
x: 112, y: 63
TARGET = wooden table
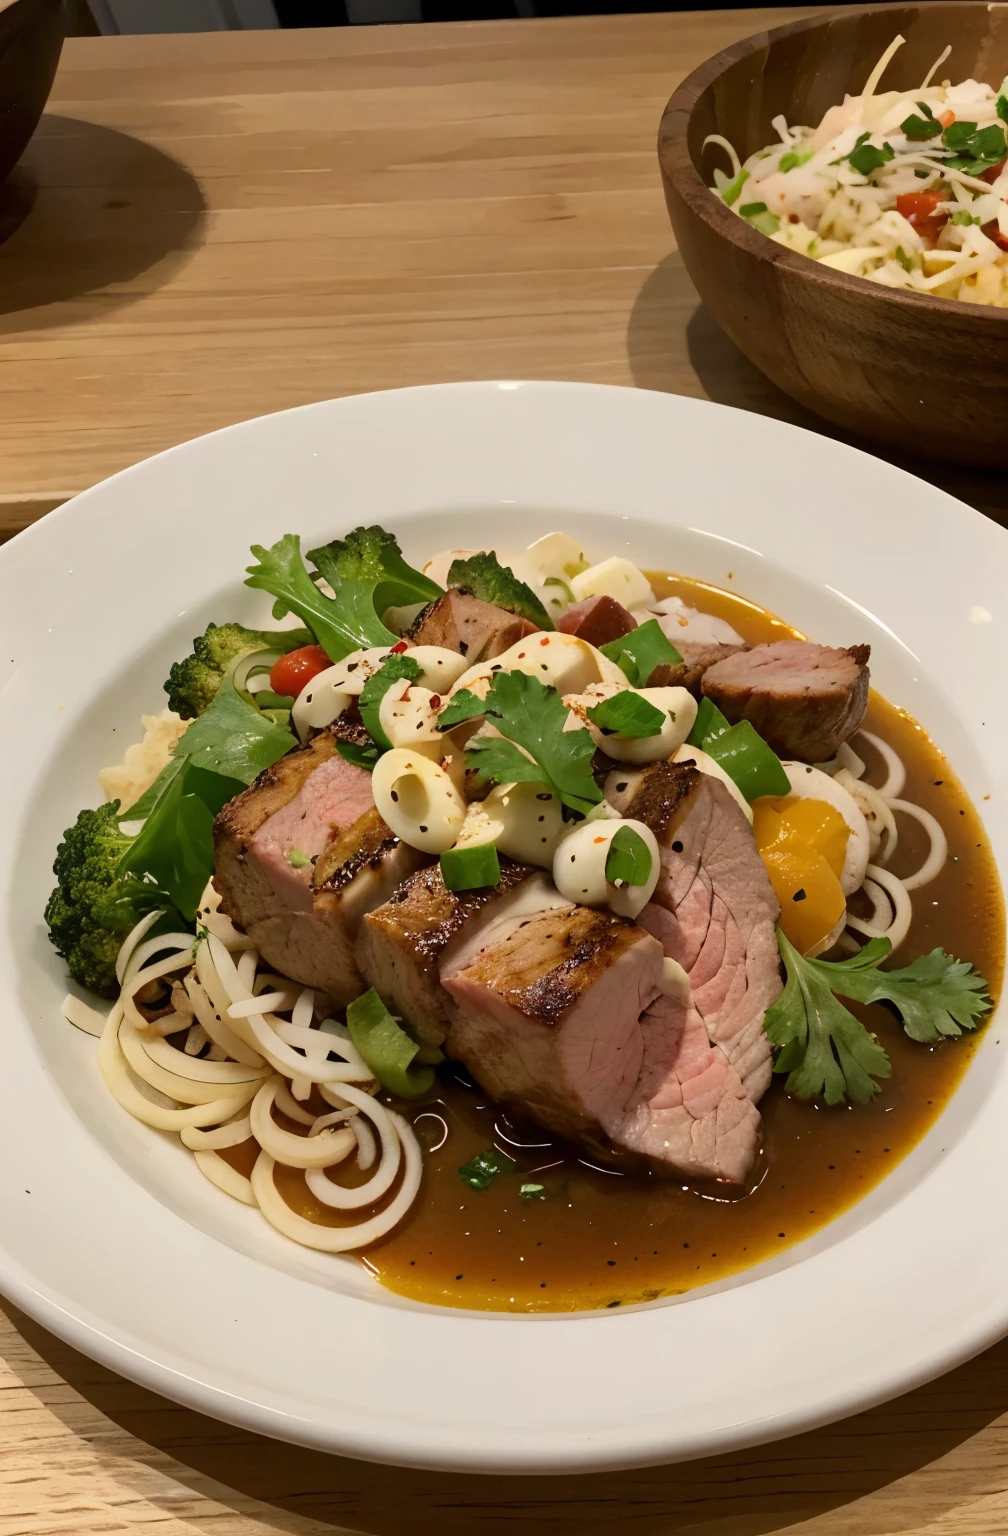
x: 208, y: 228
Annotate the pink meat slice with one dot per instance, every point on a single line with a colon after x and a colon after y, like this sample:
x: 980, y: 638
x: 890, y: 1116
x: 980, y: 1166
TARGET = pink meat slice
x: 331, y: 799
x: 713, y: 909
x: 566, y: 1018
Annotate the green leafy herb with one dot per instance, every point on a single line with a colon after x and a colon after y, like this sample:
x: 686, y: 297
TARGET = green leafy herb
x: 394, y: 669
x: 470, y: 868
x: 367, y: 573
x: 903, y: 259
x: 638, y: 653
x: 360, y: 756
x: 974, y: 152
x: 175, y: 844
x: 387, y: 1049
x: 298, y: 860
x: 963, y: 216
x: 824, y: 1049
x: 533, y: 1192
x: 232, y: 738
x: 760, y: 217
x: 484, y: 1168
x: 730, y: 192
x: 1002, y: 108
x: 793, y: 159
x: 629, y: 858
x: 926, y: 126
x: 866, y: 158
x: 464, y: 706
x: 484, y: 576
x: 922, y: 175
x: 532, y: 716
x: 627, y: 714
x: 709, y: 724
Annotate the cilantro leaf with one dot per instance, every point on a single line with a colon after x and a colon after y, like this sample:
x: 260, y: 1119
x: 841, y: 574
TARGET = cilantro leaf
x: 639, y: 652
x: 824, y: 1049
x: 481, y: 1171
x: 926, y: 126
x: 866, y: 158
x: 394, y: 669
x: 958, y: 134
x: 532, y: 716
x: 935, y: 995
x: 627, y: 714
x: 629, y: 858
x: 465, y: 705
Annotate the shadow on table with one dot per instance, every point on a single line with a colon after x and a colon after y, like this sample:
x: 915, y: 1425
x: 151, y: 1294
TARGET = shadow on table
x: 93, y: 216
x: 673, y: 341
x: 746, y: 1494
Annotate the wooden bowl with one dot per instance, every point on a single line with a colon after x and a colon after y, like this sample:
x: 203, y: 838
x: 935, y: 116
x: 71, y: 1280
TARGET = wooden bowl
x: 31, y: 37
x: 923, y: 374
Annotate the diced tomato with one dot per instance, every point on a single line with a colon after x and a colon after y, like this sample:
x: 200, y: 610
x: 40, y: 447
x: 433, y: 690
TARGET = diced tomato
x: 992, y: 232
x: 292, y: 672
x: 992, y: 175
x: 946, y: 118
x: 925, y: 211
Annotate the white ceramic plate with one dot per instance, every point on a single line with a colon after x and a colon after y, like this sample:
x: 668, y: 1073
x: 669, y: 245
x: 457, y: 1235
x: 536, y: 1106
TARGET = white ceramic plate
x: 111, y: 1237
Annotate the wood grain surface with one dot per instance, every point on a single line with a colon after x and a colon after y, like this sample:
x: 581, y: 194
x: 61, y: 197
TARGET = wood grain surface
x: 207, y: 228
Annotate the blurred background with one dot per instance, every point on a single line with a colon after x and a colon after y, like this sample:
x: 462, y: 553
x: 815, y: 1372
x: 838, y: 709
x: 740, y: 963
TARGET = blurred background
x: 111, y: 16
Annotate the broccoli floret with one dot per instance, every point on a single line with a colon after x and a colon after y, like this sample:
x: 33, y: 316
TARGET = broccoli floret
x: 192, y: 683
x: 93, y: 907
x: 367, y: 574
x: 485, y: 577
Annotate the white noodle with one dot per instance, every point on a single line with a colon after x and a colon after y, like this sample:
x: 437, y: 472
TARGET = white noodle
x: 877, y: 813
x: 938, y: 853
x: 225, y: 1177
x: 247, y: 963
x: 722, y: 142
x: 341, y: 1199
x: 902, y: 905
x: 131, y: 941
x: 879, y: 70
x: 222, y: 1036
x: 266, y: 1002
x: 82, y: 1016
x: 936, y: 66
x: 196, y: 1040
x: 233, y: 1134
x: 875, y: 926
x: 849, y: 760
x: 366, y: 1149
x: 330, y: 1146
x: 340, y: 1239
x: 288, y: 1105
x: 896, y: 773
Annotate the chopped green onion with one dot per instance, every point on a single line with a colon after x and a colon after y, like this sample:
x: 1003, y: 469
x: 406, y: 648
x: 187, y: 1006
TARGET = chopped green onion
x: 558, y: 581
x: 267, y: 699
x: 709, y: 723
x: 730, y: 193
x: 470, y: 868
x: 746, y: 758
x: 903, y: 259
x: 481, y: 1171
x: 760, y: 217
x: 922, y: 175
x: 298, y: 860
x: 963, y: 216
x: 627, y: 714
x: 641, y: 651
x: 629, y: 859
x: 794, y: 158
x: 387, y: 1049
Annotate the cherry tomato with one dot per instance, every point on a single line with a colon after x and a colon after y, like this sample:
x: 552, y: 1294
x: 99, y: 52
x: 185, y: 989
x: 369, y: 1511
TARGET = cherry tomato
x: 992, y: 175
x: 292, y: 672
x: 993, y: 232
x: 921, y: 210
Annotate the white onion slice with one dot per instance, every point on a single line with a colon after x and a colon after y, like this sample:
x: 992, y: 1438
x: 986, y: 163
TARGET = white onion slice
x: 295, y: 1151
x: 233, y: 1134
x: 938, y: 854
x: 342, y: 1199
x: 225, y: 1177
x: 83, y: 1016
x: 131, y: 941
x: 895, y: 771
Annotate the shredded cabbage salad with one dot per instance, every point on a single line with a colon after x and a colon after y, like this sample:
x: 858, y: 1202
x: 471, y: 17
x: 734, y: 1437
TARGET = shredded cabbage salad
x: 906, y: 188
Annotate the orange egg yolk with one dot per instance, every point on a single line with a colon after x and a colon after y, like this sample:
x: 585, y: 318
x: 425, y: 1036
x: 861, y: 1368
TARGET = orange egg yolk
x: 803, y: 844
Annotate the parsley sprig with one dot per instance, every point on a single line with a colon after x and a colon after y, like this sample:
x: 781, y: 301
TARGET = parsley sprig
x: 534, y: 747
x: 826, y: 1051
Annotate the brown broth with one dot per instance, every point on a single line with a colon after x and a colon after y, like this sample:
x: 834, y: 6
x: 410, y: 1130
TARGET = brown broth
x: 600, y: 1238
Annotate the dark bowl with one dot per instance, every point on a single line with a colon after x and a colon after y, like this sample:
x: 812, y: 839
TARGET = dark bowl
x: 923, y: 374
x: 31, y: 37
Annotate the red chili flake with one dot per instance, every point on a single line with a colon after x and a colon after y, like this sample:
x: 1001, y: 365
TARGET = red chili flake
x: 544, y: 640
x: 435, y: 701
x: 397, y: 650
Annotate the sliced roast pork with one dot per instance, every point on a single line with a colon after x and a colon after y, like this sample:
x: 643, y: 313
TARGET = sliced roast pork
x: 713, y: 908
x: 460, y: 622
x: 597, y: 620
x: 566, y: 1017
x: 424, y: 932
x: 697, y: 656
x: 804, y: 699
x: 300, y: 857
